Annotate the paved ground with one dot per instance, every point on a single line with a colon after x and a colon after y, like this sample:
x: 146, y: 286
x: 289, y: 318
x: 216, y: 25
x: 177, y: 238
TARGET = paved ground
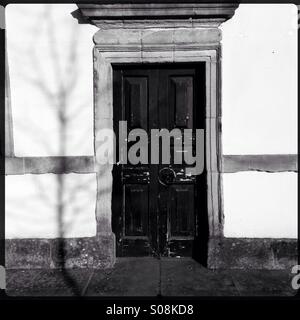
x: 149, y: 277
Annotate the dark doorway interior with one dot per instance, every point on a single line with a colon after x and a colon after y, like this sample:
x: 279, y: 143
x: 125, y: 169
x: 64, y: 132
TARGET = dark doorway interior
x: 157, y: 209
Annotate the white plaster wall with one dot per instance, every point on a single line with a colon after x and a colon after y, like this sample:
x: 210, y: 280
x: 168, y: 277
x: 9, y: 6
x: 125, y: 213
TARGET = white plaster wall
x: 259, y: 80
x: 262, y: 205
x: 259, y: 109
x: 42, y: 40
x: 32, y: 206
x: 259, y: 115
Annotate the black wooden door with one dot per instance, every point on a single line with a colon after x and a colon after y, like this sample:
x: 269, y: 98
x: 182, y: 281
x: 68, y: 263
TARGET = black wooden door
x: 157, y: 208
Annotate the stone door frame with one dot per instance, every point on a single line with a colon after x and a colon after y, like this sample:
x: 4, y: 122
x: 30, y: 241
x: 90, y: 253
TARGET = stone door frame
x: 105, y: 56
x: 145, y: 32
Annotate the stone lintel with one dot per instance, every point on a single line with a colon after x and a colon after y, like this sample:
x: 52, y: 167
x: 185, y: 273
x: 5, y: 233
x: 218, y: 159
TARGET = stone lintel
x: 158, y: 39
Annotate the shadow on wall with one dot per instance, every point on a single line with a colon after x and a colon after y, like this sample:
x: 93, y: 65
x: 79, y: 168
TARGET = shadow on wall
x: 58, y: 95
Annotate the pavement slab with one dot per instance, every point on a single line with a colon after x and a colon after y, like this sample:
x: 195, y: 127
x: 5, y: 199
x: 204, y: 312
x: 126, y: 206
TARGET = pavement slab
x: 186, y: 277
x: 129, y: 277
x: 46, y: 282
x: 263, y: 282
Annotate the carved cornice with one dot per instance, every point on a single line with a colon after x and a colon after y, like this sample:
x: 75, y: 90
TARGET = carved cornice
x: 156, y: 13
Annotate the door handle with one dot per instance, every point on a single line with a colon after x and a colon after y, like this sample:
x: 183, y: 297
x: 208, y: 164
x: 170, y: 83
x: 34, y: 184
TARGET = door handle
x: 166, y: 176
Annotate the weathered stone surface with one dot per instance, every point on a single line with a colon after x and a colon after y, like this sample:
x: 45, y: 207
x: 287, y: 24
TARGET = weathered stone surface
x: 117, y: 37
x: 41, y: 165
x: 14, y: 165
x: 149, y: 277
x: 285, y: 253
x: 27, y: 253
x: 186, y: 277
x: 263, y: 282
x: 129, y: 277
x: 46, y: 282
x: 238, y: 253
x: 103, y: 11
x: 157, y: 36
x: 93, y: 252
x: 99, y: 252
x: 147, y: 37
x: 148, y: 56
x: 264, y: 162
x: 197, y: 36
x: 104, y: 198
x: 9, y: 136
x: 156, y: 23
x: 102, y: 87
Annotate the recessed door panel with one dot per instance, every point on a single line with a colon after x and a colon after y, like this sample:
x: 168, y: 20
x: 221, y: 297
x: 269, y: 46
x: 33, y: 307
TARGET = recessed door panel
x: 181, y: 101
x: 181, y: 211
x: 136, y: 102
x: 136, y: 209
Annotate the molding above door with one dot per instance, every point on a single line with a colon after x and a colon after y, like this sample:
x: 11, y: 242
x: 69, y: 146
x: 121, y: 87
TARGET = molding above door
x: 120, y: 12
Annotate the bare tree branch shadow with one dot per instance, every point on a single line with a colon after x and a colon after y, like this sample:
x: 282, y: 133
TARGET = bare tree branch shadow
x: 59, y: 97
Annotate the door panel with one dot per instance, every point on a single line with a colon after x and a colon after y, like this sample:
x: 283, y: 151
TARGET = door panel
x: 181, y: 212
x: 156, y: 206
x: 181, y: 101
x: 136, y: 209
x: 136, y: 102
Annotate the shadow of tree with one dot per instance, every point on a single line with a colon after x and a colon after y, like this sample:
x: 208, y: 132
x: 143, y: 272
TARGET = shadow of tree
x: 60, y: 99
